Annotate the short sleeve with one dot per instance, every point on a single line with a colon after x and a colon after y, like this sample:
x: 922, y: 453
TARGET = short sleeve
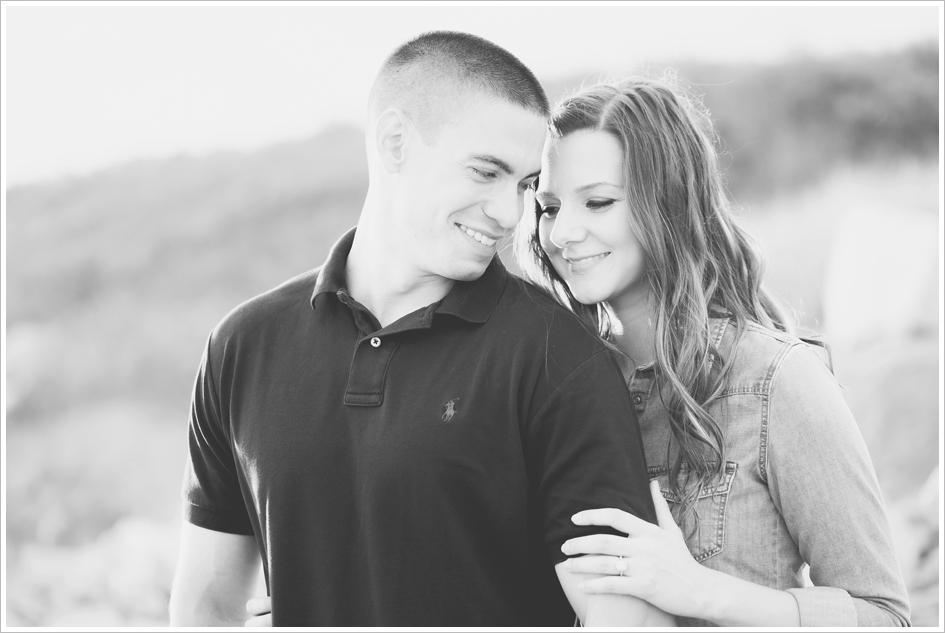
x: 584, y: 451
x: 211, y: 491
x: 823, y: 483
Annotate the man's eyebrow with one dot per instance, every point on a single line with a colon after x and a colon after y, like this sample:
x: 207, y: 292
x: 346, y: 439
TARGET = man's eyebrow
x: 497, y: 162
x: 502, y: 165
x: 584, y: 188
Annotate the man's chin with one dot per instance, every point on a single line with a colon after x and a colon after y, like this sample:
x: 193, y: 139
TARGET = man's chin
x: 468, y: 271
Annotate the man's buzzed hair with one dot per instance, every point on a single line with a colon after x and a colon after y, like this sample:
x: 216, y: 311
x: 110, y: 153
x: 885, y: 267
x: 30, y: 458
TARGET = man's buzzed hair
x: 432, y: 75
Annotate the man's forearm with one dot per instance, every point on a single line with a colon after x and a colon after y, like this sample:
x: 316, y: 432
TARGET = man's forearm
x: 216, y: 574
x: 205, y: 613
x: 616, y: 610
x: 207, y: 609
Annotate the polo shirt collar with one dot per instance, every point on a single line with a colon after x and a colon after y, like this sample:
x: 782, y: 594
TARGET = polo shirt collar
x: 332, y: 276
x: 472, y: 301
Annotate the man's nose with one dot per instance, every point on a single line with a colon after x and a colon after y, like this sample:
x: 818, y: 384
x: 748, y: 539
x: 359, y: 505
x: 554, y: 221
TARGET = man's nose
x: 506, y: 208
x: 567, y: 229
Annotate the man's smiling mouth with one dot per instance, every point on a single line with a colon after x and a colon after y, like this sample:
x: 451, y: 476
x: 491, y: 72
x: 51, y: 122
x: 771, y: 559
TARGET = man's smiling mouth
x: 485, y: 240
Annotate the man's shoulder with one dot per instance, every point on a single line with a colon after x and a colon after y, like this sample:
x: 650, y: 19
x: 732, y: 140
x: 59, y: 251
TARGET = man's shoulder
x: 536, y: 318
x: 285, y: 299
x: 527, y: 302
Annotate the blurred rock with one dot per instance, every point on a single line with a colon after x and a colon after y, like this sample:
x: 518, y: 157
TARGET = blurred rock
x: 915, y: 522
x: 882, y: 267
x: 121, y: 579
x: 892, y: 387
x: 92, y: 616
x: 29, y: 344
x: 803, y: 236
x: 71, y: 477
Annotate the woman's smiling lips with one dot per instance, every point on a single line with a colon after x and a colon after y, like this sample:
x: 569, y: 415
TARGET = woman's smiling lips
x: 581, y: 265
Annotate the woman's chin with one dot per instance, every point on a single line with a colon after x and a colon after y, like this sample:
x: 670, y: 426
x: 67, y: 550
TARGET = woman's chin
x: 587, y: 296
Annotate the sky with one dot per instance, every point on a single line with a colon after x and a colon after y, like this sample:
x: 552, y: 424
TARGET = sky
x: 86, y: 87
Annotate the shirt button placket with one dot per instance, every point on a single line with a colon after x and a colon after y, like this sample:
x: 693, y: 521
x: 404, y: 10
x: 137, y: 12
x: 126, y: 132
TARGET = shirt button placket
x: 368, y: 370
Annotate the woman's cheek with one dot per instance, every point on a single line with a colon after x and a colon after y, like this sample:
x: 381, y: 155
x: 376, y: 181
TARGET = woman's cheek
x: 545, y: 224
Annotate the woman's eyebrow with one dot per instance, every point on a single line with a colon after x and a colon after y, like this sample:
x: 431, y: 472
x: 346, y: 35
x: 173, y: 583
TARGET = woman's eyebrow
x: 584, y: 188
x: 545, y: 195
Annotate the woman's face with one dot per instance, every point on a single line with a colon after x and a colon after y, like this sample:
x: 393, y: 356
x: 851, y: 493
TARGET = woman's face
x: 584, y: 226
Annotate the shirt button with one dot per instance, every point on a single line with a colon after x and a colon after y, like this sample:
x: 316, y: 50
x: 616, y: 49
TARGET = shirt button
x: 637, y: 399
x: 375, y: 342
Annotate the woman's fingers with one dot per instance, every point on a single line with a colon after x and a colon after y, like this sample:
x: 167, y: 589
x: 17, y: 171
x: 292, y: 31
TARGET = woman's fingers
x: 638, y: 586
x: 663, y: 514
x: 617, y: 519
x: 610, y: 565
x: 606, y: 544
x: 259, y: 605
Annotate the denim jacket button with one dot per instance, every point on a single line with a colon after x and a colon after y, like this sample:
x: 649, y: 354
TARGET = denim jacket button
x: 637, y: 400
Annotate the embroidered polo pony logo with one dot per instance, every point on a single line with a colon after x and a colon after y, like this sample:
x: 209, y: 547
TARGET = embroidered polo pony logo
x: 450, y: 410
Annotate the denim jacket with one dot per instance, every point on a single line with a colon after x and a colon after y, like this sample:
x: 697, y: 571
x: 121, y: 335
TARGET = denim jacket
x: 798, y: 484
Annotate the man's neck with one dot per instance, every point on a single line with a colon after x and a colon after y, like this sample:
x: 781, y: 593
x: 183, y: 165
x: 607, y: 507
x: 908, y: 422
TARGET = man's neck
x: 378, y: 278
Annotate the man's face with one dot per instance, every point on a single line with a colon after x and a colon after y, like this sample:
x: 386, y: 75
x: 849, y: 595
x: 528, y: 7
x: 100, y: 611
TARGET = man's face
x: 463, y: 193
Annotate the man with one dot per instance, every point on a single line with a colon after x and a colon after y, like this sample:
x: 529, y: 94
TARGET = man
x: 405, y: 432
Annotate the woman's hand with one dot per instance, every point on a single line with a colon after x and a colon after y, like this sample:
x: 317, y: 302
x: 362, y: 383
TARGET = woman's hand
x: 652, y: 562
x: 261, y: 608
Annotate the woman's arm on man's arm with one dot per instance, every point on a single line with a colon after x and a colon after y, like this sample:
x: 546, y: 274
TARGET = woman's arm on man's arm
x: 216, y: 574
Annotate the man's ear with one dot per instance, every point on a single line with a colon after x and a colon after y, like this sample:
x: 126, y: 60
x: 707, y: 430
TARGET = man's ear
x: 390, y: 139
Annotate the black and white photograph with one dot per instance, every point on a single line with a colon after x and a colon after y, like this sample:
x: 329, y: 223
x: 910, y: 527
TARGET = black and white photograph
x: 472, y: 314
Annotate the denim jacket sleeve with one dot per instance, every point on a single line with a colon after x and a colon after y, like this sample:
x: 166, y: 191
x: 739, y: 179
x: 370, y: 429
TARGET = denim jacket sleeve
x: 823, y: 483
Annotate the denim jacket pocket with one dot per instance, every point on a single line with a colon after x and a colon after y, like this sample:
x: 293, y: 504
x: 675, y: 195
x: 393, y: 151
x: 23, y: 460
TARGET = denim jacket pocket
x: 705, y: 528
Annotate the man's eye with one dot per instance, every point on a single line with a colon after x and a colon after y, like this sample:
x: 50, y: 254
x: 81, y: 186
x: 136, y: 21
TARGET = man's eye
x: 488, y: 175
x: 598, y: 204
x: 549, y: 211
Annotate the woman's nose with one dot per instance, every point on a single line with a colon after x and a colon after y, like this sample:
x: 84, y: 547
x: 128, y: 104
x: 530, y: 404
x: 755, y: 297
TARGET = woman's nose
x: 567, y: 229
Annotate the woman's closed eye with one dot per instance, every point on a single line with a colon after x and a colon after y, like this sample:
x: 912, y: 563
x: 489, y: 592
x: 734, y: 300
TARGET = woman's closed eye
x: 598, y: 204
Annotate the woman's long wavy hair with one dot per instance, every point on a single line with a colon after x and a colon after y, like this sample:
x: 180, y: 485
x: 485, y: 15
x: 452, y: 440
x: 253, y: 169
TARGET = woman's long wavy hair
x: 698, y: 262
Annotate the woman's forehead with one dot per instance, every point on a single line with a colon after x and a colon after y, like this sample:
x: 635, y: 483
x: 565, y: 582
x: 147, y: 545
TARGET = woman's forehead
x: 579, y: 160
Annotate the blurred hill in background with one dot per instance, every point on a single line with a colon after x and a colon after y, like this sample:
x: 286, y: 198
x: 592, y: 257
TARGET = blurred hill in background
x: 789, y: 125
x: 115, y: 280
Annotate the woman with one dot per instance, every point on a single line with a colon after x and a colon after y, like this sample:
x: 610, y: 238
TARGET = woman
x: 744, y: 426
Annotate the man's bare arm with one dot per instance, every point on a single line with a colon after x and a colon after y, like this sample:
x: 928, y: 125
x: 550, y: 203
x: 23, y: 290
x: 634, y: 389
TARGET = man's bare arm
x: 609, y: 609
x: 216, y: 574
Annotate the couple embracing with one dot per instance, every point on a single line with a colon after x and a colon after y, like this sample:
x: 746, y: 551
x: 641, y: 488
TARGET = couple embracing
x: 409, y: 435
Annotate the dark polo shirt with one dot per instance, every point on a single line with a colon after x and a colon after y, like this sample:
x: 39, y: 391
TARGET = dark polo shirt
x: 421, y: 474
